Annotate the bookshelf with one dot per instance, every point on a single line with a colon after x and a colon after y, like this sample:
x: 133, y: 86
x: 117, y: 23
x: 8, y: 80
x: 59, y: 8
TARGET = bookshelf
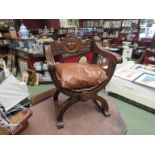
x: 4, y: 50
x: 115, y: 30
x: 29, y: 56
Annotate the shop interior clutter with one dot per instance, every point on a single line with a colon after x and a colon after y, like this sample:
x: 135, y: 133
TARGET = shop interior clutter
x: 84, y: 59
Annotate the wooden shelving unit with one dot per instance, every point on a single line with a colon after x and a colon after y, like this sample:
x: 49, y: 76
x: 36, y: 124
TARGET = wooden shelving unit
x: 4, y: 50
x: 23, y: 56
x: 113, y: 29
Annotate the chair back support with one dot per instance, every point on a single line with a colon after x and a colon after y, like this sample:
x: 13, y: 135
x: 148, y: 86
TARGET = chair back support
x: 67, y: 48
x: 71, y: 44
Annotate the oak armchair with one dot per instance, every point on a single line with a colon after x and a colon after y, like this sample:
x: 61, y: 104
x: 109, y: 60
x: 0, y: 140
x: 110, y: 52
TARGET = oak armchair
x: 79, y: 81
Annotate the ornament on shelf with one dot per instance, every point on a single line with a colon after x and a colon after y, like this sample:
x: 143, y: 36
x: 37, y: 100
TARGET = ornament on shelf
x: 12, y: 32
x: 23, y: 32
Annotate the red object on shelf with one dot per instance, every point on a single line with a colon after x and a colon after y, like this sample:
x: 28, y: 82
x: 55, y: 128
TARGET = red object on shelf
x: 33, y: 23
x: 147, y: 58
x: 40, y: 23
x: 55, y: 23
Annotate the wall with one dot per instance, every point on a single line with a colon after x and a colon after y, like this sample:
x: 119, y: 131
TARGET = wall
x: 55, y: 23
x: 40, y: 23
x: 33, y: 23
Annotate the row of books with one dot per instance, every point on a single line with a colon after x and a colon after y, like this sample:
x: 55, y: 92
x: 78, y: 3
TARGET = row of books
x: 110, y: 23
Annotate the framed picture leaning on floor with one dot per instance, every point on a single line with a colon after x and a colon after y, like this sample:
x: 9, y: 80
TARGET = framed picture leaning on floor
x: 23, y: 66
x: 14, y: 71
x: 2, y: 64
x: 25, y: 76
x: 9, y: 62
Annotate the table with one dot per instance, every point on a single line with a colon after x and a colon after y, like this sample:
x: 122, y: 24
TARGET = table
x: 142, y: 95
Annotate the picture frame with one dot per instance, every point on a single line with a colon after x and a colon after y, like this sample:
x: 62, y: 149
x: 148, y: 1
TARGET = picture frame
x: 145, y: 68
x: 1, y: 35
x: 37, y: 79
x: 9, y: 62
x: 1, y: 43
x: 23, y: 66
x: 146, y: 80
x: 2, y: 64
x: 5, y: 42
x: 33, y: 77
x: 25, y: 76
x: 13, y: 60
x: 14, y: 71
x: 128, y: 74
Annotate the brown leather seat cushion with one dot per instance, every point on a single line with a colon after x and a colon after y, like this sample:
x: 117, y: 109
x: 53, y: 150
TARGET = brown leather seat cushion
x: 77, y: 76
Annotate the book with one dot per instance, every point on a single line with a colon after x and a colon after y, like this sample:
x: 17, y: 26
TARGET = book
x: 128, y: 74
x: 88, y: 23
x: 146, y: 79
x: 92, y: 23
x: 145, y: 68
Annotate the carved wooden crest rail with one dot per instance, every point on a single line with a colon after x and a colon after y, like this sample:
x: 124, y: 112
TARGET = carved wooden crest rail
x: 72, y: 44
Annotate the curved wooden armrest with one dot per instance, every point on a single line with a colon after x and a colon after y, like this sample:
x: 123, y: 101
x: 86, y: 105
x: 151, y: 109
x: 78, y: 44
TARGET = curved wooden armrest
x: 51, y: 67
x: 48, y: 54
x: 118, y: 58
x: 114, y: 57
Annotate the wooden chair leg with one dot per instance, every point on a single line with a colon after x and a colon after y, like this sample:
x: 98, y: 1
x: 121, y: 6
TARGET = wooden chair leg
x: 56, y: 94
x: 61, y: 109
x: 102, y: 104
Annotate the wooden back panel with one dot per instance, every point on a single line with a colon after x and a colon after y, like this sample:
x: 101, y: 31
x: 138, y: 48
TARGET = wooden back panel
x: 71, y: 44
x: 68, y: 48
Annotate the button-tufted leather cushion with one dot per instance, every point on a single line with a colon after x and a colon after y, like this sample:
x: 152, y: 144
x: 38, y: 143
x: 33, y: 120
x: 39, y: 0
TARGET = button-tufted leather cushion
x: 77, y: 76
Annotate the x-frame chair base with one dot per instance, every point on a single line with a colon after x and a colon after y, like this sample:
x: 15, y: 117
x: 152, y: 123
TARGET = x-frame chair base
x: 60, y: 109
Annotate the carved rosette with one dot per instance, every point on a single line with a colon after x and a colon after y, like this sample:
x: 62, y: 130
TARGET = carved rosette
x: 71, y: 43
x: 85, y: 96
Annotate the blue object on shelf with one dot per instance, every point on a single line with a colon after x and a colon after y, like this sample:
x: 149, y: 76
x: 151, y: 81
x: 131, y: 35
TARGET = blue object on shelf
x: 23, y: 32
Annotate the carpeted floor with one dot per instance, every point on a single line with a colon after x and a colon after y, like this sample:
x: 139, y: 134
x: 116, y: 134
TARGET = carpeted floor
x: 138, y: 121
x: 83, y: 118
